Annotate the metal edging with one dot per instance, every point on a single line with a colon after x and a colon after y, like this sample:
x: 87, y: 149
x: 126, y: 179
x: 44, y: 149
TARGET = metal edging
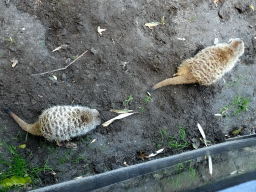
x: 112, y: 177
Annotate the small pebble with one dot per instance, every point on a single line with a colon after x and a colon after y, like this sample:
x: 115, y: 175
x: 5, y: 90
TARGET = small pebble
x: 94, y: 51
x: 63, y: 77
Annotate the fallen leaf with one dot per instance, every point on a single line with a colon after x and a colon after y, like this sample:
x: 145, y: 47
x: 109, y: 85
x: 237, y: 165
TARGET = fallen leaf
x: 210, y: 164
x: 14, y: 62
x: 154, y: 154
x: 152, y: 24
x: 15, y: 180
x: 22, y: 146
x: 122, y: 111
x: 216, y: 2
x: 252, y: 7
x: 143, y: 156
x: 101, y: 30
x: 93, y: 140
x: 107, y: 123
x: 235, y: 132
x: 205, y: 142
x: 55, y: 77
x: 60, y: 47
x: 181, y: 39
x: 202, y: 133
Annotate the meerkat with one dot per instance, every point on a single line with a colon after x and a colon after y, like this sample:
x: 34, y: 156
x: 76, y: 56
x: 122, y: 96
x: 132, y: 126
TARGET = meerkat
x: 209, y: 65
x: 61, y: 123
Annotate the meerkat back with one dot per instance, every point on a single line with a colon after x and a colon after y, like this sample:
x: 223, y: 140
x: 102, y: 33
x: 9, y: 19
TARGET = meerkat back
x: 60, y: 123
x: 213, y: 62
x: 208, y: 65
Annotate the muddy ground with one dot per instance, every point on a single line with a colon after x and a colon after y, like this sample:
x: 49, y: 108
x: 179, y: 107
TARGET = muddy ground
x: 127, y: 59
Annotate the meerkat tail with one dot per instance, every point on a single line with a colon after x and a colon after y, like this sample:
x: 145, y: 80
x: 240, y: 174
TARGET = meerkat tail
x: 174, y: 81
x: 31, y: 128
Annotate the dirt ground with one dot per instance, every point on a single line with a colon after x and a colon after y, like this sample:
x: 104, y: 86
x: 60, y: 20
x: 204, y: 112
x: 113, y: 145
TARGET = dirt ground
x: 127, y: 59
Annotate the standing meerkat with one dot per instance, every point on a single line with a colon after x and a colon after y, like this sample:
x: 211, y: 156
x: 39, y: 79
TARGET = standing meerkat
x: 61, y: 123
x: 208, y: 65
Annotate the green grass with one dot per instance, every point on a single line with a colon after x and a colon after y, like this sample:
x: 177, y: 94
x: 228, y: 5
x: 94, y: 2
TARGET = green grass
x: 80, y: 158
x: 162, y: 20
x: 141, y: 109
x: 42, y: 43
x: 192, y: 18
x: 241, y: 104
x: 147, y: 99
x: 172, y: 142
x: 232, y: 84
x: 17, y: 167
x: 127, y: 101
x: 11, y: 40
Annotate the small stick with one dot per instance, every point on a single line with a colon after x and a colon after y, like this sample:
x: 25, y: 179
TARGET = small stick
x: 61, y: 68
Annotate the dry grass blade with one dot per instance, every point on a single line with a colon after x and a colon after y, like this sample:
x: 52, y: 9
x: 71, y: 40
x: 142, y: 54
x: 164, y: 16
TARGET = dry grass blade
x: 122, y: 111
x: 14, y: 62
x: 152, y: 24
x: 154, y: 154
x: 202, y: 133
x: 60, y: 47
x: 107, y: 123
x: 210, y: 164
x: 205, y: 142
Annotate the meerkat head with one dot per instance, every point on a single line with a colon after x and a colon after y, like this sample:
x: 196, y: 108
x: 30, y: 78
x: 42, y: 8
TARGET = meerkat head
x: 96, y: 116
x: 238, y: 45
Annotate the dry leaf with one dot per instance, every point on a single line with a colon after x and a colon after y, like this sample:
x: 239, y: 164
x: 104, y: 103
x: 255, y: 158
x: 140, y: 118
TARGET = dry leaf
x: 210, y: 164
x: 54, y: 77
x: 118, y: 117
x: 152, y: 24
x: 93, y: 140
x: 159, y: 151
x: 143, y: 156
x: 252, y: 7
x: 122, y: 111
x: 60, y: 47
x: 205, y: 142
x: 14, y: 62
x: 101, y: 30
x: 235, y: 132
x: 202, y: 133
x: 216, y: 2
x: 181, y: 39
x: 22, y: 146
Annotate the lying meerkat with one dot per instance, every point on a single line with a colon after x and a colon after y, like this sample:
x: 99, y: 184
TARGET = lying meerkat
x: 208, y: 65
x: 61, y: 123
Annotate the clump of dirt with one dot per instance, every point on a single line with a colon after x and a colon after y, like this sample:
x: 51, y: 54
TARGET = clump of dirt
x: 127, y: 59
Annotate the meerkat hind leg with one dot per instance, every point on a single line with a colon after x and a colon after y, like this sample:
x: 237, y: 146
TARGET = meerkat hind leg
x: 67, y: 144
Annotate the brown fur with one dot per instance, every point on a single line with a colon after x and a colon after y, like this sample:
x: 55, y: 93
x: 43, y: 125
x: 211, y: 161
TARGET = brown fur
x: 207, y: 66
x: 60, y: 123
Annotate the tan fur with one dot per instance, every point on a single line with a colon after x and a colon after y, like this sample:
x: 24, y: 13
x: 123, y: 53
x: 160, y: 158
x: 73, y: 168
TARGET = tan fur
x: 208, y: 65
x: 61, y: 123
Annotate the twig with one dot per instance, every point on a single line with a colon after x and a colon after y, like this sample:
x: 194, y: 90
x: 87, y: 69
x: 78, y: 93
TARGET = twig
x: 61, y: 68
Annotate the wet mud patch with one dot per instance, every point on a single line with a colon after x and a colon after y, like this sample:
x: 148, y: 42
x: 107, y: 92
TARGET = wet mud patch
x: 127, y: 59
